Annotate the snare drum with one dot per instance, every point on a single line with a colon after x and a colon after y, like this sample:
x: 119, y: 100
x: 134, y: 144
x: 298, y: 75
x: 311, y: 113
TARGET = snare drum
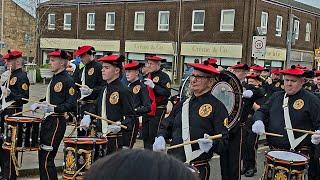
x: 80, y: 153
x: 280, y: 164
x: 23, y: 132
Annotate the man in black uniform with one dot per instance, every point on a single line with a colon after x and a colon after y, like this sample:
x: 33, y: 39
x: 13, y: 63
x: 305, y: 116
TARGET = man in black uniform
x: 90, y: 79
x: 60, y: 98
x: 115, y: 103
x: 160, y: 83
x: 196, y: 118
x: 141, y: 99
x: 13, y: 92
x: 297, y: 108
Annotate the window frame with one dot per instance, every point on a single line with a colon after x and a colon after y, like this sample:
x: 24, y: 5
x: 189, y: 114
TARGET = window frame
x: 135, y: 21
x: 159, y: 21
x: 279, y: 28
x: 199, y: 25
x: 64, y: 21
x: 296, y: 29
x: 51, y: 26
x: 221, y: 20
x: 308, y: 33
x: 264, y: 29
x: 91, y: 27
x: 112, y: 25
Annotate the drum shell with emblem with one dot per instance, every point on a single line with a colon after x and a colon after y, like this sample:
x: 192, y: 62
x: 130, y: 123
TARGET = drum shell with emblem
x: 23, y: 131
x: 80, y: 153
x: 281, y: 164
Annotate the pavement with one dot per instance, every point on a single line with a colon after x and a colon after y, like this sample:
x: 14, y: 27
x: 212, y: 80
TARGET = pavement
x: 29, y: 169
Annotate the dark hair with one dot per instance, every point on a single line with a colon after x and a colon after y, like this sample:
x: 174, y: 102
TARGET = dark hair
x: 138, y: 165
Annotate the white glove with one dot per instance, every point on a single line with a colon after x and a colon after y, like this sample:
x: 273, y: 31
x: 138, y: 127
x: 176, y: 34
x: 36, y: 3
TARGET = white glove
x: 205, y: 144
x: 149, y: 82
x: 34, y: 106
x: 118, y: 123
x: 5, y: 91
x: 247, y: 94
x: 269, y: 80
x: 159, y: 144
x: 114, y: 129
x: 258, y: 127
x: 46, y: 107
x: 85, y: 91
x: 85, y: 122
x: 315, y: 138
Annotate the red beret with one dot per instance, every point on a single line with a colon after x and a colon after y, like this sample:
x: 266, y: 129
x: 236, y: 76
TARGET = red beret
x: 252, y: 76
x: 212, y: 60
x: 112, y: 59
x: 275, y: 71
x: 240, y: 66
x: 60, y: 53
x: 132, y: 65
x: 154, y: 58
x: 12, y: 54
x: 83, y: 49
x: 257, y: 68
x: 294, y: 71
x: 205, y: 67
x: 317, y: 73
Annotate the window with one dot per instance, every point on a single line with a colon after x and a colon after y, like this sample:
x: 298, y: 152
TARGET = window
x: 308, y: 31
x: 67, y: 21
x: 198, y: 20
x: 90, y: 21
x: 51, y: 21
x: 264, y: 22
x: 296, y: 28
x: 163, y: 21
x: 227, y: 20
x: 139, y: 21
x: 110, y: 20
x: 279, y: 26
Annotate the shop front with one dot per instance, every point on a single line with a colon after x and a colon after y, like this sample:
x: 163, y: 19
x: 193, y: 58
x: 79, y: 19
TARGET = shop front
x: 274, y: 58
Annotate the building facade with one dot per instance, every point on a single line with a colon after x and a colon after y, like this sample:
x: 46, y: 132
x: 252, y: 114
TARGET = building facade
x: 182, y: 31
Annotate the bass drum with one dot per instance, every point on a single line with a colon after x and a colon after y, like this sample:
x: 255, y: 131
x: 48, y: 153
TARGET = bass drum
x: 228, y: 90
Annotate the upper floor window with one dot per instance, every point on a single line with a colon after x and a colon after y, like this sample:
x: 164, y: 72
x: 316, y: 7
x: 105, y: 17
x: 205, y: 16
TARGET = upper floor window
x: 308, y: 31
x: 227, y: 20
x: 198, y: 20
x: 264, y: 22
x: 67, y: 21
x: 51, y: 21
x: 91, y: 21
x: 110, y: 20
x: 296, y: 28
x: 163, y: 21
x: 279, y: 26
x: 139, y: 18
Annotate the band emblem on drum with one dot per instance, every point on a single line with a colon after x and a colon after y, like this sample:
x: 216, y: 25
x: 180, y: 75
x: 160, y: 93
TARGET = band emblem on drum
x: 58, y: 87
x: 136, y: 89
x: 281, y: 176
x: 13, y: 81
x: 298, y: 104
x: 226, y: 122
x: 91, y: 71
x: 205, y: 110
x: 277, y: 84
x: 71, y: 91
x: 70, y: 161
x: 114, y: 98
x: 25, y: 86
x: 168, y: 85
x: 156, y: 79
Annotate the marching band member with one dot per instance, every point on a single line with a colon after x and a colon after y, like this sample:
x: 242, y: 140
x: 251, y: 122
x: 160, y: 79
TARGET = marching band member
x: 90, y: 79
x: 160, y: 83
x: 60, y: 98
x: 17, y: 87
x: 142, y: 104
x: 292, y: 108
x: 196, y: 118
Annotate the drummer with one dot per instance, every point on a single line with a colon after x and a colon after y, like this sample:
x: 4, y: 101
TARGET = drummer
x: 17, y: 87
x: 304, y: 114
x: 200, y: 116
x: 60, y: 98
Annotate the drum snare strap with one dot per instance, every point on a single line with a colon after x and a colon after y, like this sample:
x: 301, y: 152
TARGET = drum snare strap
x: 293, y: 142
x: 190, y: 155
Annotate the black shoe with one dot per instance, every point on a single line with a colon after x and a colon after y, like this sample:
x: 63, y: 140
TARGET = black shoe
x: 249, y: 173
x: 243, y: 171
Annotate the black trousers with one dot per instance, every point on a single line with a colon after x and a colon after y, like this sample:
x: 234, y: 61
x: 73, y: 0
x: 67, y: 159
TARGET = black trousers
x: 51, y: 135
x: 204, y: 170
x: 90, y: 107
x: 250, y: 146
x: 129, y: 137
x: 150, y: 127
x: 8, y: 170
x: 230, y: 157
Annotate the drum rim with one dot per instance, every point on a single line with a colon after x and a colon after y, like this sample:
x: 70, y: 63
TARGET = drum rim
x: 14, y: 119
x: 85, y: 140
x: 9, y: 147
x: 287, y: 162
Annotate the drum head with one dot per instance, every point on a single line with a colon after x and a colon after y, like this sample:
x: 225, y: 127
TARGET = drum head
x: 84, y: 140
x: 228, y: 90
x: 287, y: 156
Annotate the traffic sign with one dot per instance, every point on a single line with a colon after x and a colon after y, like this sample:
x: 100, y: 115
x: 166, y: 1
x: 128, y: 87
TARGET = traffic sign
x: 259, y: 46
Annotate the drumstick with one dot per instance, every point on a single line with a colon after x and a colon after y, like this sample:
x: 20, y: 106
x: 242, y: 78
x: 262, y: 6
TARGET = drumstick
x: 37, y: 102
x: 16, y: 114
x: 301, y: 130
x: 218, y: 136
x: 273, y: 134
x: 109, y: 121
x: 80, y: 85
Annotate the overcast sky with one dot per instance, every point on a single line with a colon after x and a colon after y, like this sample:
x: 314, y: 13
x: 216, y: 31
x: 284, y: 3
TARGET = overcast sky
x: 315, y: 3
